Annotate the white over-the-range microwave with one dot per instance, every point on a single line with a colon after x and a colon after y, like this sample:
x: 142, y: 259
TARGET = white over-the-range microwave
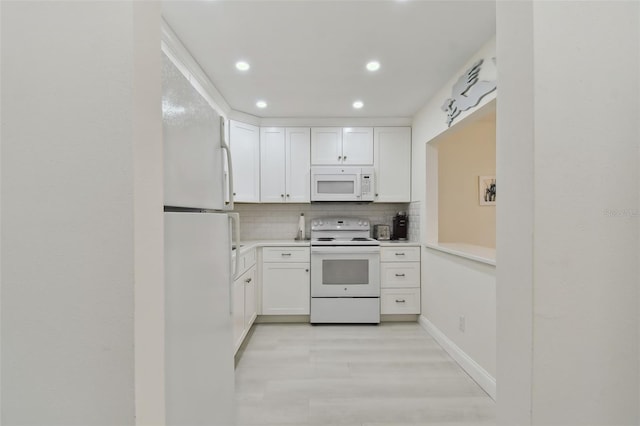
x: 329, y: 183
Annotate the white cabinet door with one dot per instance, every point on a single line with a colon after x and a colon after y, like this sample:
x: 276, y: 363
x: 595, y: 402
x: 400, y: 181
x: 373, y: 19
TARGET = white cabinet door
x: 326, y: 146
x: 272, y: 165
x: 238, y: 311
x: 250, y: 302
x: 357, y: 146
x: 285, y: 289
x: 245, y: 151
x: 298, y: 165
x: 392, y: 164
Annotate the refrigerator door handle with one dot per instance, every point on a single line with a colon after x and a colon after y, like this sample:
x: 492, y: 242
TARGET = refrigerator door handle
x: 225, y: 146
x: 235, y: 225
x: 234, y: 222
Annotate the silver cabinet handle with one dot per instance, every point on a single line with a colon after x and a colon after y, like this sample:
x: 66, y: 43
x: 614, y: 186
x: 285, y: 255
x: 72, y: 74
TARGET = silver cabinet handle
x: 399, y: 275
x: 248, y: 280
x: 344, y: 158
x: 282, y: 195
x: 286, y: 254
x: 339, y: 157
x: 288, y: 195
x: 399, y: 254
x: 306, y: 270
x: 400, y: 301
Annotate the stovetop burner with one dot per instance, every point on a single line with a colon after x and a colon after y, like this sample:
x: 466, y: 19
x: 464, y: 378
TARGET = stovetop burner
x: 341, y: 231
x: 347, y: 241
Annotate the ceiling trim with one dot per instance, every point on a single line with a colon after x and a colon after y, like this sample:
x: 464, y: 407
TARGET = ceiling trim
x: 336, y: 122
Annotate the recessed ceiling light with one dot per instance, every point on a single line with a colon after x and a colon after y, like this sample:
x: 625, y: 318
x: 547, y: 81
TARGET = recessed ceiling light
x: 242, y: 65
x: 358, y: 104
x: 261, y: 104
x: 373, y: 66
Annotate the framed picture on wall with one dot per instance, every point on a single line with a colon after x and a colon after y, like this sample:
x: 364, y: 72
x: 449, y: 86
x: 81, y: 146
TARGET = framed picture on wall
x: 487, y: 190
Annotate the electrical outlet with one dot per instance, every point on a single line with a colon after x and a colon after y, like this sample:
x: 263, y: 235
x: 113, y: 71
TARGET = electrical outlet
x: 462, y: 324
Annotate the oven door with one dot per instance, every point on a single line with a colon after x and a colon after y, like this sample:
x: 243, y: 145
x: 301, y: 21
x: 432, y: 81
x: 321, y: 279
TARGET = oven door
x: 345, y: 271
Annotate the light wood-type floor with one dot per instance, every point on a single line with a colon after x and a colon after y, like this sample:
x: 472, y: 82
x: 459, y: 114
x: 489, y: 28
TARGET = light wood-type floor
x: 393, y: 374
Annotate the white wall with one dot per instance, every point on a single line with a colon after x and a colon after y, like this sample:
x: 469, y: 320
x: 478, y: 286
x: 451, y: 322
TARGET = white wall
x: 451, y: 285
x: 73, y: 114
x: 568, y: 135
x: 514, y: 213
x: 455, y: 287
x: 148, y: 216
x: 430, y: 120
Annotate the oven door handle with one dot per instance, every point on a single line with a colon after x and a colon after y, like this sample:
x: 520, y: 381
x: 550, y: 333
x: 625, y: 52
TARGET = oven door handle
x: 345, y: 249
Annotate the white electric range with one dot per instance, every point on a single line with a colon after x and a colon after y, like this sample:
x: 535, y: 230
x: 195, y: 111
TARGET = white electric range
x: 345, y: 271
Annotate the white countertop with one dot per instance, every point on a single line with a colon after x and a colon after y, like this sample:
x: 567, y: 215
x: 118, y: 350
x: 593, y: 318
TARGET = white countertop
x: 469, y: 251
x: 248, y: 245
x: 398, y: 243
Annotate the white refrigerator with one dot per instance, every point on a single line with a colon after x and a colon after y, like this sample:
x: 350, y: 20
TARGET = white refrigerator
x: 198, y: 228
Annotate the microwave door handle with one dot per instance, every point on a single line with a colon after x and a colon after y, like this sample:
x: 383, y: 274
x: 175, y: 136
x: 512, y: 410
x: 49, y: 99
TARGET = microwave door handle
x: 359, y: 186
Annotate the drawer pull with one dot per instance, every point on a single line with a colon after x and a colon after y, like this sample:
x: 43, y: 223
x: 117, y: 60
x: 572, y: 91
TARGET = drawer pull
x: 248, y: 280
x: 399, y: 254
x: 286, y: 254
x: 399, y: 275
x: 400, y: 301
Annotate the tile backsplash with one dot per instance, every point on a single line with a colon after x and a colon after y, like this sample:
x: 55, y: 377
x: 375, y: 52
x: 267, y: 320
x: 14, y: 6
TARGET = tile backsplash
x: 414, y: 221
x: 280, y: 221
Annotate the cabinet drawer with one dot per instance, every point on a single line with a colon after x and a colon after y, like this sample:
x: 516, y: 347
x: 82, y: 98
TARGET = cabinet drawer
x: 400, y: 301
x: 400, y: 274
x: 400, y: 254
x: 285, y: 254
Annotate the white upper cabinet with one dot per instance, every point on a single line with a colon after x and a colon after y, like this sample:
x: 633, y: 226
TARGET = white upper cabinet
x: 245, y: 152
x: 332, y: 146
x: 285, y: 165
x: 326, y: 146
x: 298, y: 165
x: 392, y: 164
x: 272, y: 162
x: 357, y: 146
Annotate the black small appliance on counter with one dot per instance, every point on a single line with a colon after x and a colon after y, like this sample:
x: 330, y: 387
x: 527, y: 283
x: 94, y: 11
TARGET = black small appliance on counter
x: 400, y: 226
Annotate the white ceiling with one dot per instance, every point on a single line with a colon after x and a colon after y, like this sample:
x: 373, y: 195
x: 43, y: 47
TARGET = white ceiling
x: 308, y: 56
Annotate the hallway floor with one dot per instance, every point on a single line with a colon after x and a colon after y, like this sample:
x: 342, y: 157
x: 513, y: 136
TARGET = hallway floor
x: 354, y: 375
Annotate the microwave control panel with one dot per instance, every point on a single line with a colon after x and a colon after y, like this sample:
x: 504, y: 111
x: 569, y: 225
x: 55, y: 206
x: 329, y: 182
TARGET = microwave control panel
x: 366, y: 189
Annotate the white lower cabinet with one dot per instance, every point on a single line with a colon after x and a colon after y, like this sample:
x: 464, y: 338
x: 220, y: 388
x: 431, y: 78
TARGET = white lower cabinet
x: 250, y: 302
x: 286, y: 281
x: 400, y: 301
x: 400, y: 280
x: 244, y: 298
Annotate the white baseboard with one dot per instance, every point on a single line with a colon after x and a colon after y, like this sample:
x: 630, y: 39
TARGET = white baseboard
x: 473, y: 369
